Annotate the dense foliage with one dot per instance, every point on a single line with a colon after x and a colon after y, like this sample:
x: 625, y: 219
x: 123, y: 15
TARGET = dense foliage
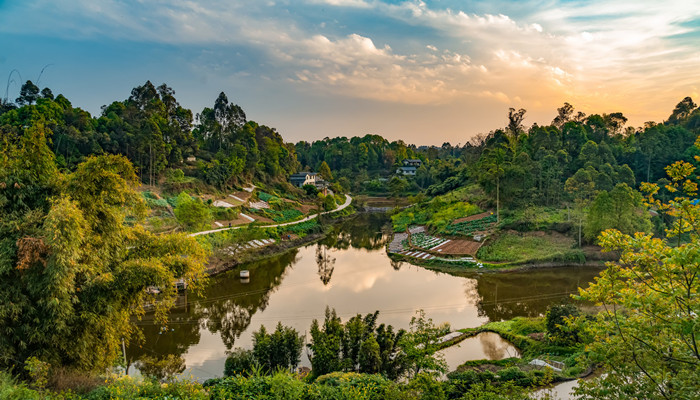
x: 647, y: 337
x: 73, y: 271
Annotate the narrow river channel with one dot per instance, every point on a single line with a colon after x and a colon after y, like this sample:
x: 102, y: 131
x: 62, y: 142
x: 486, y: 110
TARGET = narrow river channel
x: 348, y: 271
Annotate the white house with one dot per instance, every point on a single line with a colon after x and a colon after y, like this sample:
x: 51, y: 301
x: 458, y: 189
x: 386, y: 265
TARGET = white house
x: 303, y: 178
x: 406, y: 171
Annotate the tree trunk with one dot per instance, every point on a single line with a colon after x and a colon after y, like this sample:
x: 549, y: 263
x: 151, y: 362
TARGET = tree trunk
x: 498, y: 200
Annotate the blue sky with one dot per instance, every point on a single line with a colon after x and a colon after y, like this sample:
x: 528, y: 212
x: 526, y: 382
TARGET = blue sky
x: 422, y: 71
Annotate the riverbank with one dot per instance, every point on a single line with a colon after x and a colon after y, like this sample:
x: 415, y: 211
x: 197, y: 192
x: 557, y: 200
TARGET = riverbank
x: 312, y: 231
x: 509, y: 251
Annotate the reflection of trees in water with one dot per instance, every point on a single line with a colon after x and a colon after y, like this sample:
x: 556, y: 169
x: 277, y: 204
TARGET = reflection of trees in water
x: 494, y: 346
x: 396, y: 265
x: 176, y: 338
x: 226, y: 306
x: 363, y: 231
x: 326, y: 263
x: 502, y: 296
x: 470, y: 291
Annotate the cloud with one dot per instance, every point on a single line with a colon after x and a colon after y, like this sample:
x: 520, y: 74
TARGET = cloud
x: 593, y: 54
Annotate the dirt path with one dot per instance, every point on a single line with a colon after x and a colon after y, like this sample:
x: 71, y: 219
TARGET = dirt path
x: 348, y: 200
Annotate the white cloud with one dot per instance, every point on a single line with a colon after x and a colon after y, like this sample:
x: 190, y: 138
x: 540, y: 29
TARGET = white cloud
x: 585, y: 53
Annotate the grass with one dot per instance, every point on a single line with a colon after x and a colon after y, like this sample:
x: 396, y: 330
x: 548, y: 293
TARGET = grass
x: 528, y: 247
x: 436, y: 213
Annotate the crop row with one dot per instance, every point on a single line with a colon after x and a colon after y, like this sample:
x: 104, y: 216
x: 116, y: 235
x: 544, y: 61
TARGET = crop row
x: 467, y: 228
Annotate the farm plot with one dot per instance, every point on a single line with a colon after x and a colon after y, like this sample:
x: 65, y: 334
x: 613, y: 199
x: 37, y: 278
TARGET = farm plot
x: 458, y: 247
x: 467, y: 227
x: 427, y: 242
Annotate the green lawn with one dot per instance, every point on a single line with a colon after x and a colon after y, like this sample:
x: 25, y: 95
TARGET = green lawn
x: 531, y: 246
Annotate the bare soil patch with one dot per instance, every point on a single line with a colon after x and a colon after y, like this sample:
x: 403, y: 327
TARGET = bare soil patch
x: 472, y: 217
x: 459, y: 247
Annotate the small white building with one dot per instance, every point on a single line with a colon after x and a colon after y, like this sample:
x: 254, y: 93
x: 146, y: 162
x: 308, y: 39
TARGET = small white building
x: 410, y: 171
x: 412, y: 162
x: 303, y: 178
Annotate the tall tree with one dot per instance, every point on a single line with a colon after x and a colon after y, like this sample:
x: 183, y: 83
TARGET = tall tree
x: 28, y: 94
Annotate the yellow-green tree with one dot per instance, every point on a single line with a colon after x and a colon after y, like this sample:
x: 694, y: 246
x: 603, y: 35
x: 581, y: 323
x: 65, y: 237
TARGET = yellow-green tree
x: 648, y: 335
x: 74, y: 267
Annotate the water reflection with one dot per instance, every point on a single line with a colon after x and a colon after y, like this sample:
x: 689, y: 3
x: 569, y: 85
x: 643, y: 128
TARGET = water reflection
x: 350, y: 272
x: 484, y: 346
x: 326, y: 263
x: 529, y: 293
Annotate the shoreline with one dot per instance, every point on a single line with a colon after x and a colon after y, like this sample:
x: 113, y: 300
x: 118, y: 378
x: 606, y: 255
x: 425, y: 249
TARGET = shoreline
x: 276, y: 249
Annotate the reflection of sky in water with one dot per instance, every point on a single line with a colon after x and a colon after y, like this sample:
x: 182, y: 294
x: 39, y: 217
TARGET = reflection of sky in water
x: 487, y: 345
x: 362, y: 282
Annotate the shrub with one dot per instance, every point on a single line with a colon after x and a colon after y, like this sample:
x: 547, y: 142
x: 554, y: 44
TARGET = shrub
x: 127, y: 388
x: 239, y: 362
x: 329, y: 203
x: 557, y: 327
x: 192, y: 213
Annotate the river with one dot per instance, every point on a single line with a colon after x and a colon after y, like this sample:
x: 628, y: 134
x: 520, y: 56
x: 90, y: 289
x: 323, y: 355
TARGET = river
x: 348, y: 271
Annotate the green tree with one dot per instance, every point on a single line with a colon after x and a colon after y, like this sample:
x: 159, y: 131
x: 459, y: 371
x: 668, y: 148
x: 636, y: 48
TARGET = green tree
x: 582, y: 188
x: 329, y: 203
x: 420, y: 345
x: 280, y: 349
x: 493, y: 164
x: 620, y: 209
x: 192, y: 213
x: 73, y: 271
x: 325, y: 171
x: 647, y: 337
x: 28, y: 94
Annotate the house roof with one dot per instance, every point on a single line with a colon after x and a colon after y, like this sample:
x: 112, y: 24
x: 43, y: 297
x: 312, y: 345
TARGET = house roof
x: 407, y: 168
x: 302, y: 175
x: 412, y: 160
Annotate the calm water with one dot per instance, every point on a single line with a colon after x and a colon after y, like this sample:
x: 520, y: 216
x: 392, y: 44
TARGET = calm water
x: 349, y: 271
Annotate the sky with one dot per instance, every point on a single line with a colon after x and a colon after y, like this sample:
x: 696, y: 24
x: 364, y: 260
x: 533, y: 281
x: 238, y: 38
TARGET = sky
x: 426, y: 72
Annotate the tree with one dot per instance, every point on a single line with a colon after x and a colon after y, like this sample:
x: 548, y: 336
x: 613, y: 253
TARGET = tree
x: 74, y: 273
x: 564, y: 114
x: 648, y: 336
x: 192, y: 213
x: 325, y: 171
x: 46, y: 93
x: 515, y: 121
x: 556, y: 322
x: 278, y: 350
x: 420, y: 344
x: 620, y: 209
x: 493, y: 163
x: 582, y: 188
x: 397, y: 185
x: 682, y: 111
x: 28, y: 94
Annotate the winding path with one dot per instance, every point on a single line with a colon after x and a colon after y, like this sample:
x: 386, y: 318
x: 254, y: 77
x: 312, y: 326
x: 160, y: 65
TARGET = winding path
x: 348, y: 200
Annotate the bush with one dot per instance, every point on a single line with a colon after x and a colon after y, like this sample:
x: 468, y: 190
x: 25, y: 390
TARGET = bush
x: 239, y: 362
x: 225, y: 213
x: 310, y: 190
x: 329, y: 203
x: 559, y: 330
x: 192, y: 213
x: 11, y: 390
x: 127, y: 388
